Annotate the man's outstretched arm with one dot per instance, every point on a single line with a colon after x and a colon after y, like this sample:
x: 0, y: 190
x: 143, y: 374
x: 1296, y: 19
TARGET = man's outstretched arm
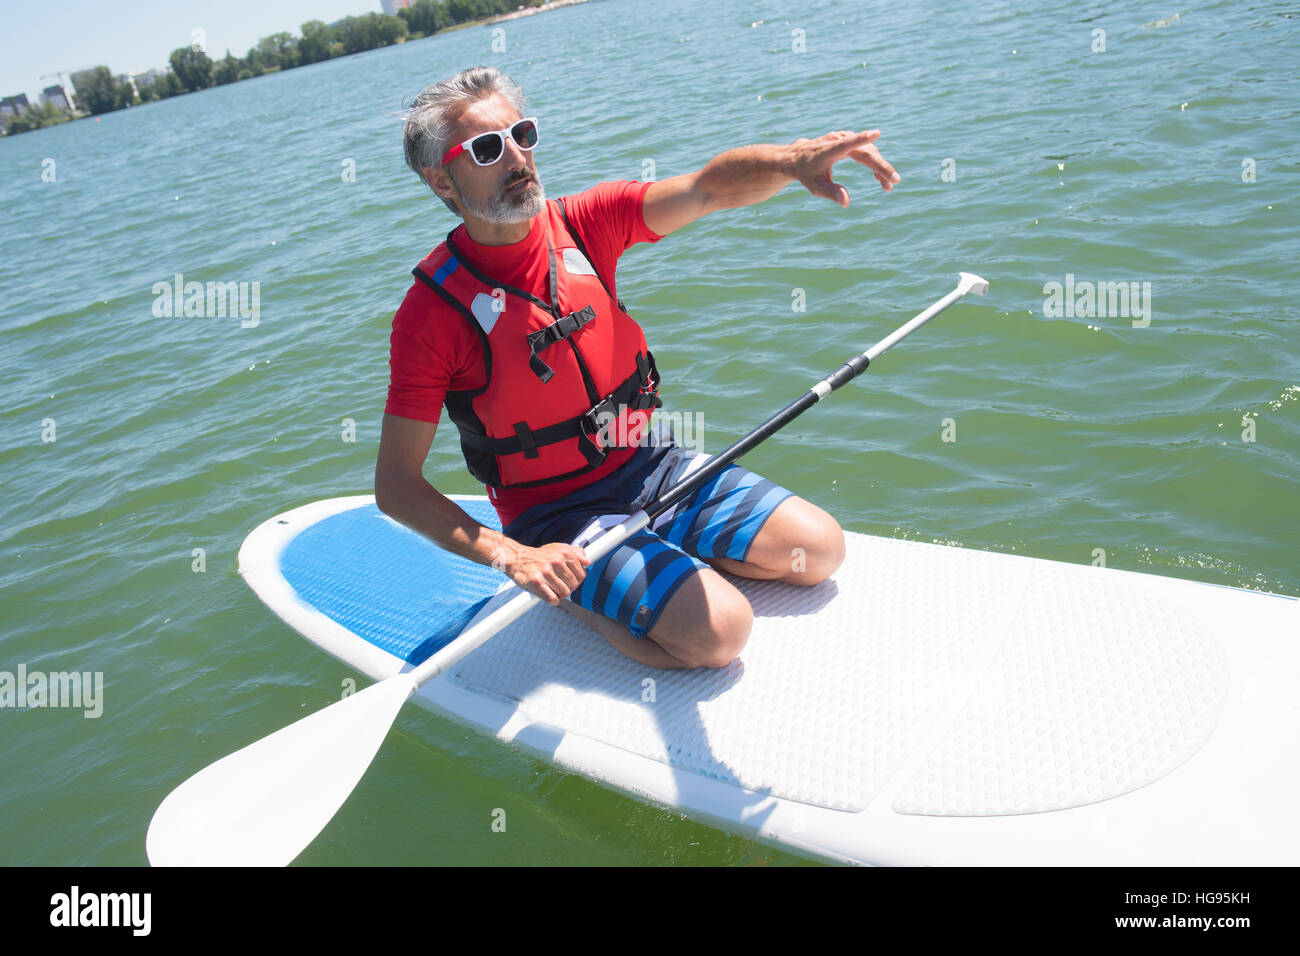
x: 751, y: 174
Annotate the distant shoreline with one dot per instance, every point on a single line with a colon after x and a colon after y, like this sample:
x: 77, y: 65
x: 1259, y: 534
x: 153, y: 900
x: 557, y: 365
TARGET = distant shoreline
x: 501, y: 17
x: 207, y: 73
x: 529, y: 11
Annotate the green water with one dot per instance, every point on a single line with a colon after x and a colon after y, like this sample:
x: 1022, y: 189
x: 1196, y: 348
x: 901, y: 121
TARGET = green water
x: 1072, y: 434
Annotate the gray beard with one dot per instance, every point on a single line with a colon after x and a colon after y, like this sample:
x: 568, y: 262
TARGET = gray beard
x: 503, y: 208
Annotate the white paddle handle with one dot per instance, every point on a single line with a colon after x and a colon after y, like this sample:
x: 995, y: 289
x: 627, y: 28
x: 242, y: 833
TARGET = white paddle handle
x: 968, y: 282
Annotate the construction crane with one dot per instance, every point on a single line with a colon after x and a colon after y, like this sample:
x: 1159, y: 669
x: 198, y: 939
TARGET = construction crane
x: 65, y: 82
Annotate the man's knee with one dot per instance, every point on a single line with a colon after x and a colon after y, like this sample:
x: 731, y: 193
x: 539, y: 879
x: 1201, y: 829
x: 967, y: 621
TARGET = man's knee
x: 826, y: 549
x: 816, y: 543
x: 727, y: 635
x: 706, y: 624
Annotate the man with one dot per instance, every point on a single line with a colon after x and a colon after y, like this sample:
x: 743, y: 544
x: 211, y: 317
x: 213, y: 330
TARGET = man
x: 515, y: 324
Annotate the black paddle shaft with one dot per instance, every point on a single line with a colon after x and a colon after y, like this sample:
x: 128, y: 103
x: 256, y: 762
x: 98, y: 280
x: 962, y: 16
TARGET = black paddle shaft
x: 845, y: 373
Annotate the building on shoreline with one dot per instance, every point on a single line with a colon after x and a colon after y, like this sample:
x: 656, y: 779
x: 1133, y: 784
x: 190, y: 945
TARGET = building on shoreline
x: 56, y: 96
x: 13, y: 105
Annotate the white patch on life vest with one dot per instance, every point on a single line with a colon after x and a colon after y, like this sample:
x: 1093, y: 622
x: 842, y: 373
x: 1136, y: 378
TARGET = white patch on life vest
x: 487, y: 310
x: 577, y: 263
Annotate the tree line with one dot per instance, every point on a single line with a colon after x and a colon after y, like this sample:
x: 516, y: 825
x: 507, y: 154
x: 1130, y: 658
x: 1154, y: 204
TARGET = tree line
x: 97, y: 90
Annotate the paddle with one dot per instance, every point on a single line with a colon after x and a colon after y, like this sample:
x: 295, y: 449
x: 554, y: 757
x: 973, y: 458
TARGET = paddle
x: 262, y: 805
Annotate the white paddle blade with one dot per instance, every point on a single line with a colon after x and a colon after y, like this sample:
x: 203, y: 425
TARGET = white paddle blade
x: 970, y: 282
x: 262, y: 805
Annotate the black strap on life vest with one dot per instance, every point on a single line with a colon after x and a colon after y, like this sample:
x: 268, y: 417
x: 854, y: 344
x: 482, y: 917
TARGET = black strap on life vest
x: 557, y: 331
x: 638, y: 392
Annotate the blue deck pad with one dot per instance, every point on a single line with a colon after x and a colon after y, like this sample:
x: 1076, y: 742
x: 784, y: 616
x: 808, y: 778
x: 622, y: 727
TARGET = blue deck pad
x: 388, y: 584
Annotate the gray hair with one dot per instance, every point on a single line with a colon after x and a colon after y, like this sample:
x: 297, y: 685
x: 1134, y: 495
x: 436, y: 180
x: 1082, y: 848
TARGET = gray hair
x: 428, y: 119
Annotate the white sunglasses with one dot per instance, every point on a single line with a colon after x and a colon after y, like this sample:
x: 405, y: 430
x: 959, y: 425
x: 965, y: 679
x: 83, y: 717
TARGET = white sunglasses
x: 486, y: 148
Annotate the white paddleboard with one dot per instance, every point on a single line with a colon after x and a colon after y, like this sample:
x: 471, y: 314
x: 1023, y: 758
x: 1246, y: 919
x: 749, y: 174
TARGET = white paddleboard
x: 928, y: 705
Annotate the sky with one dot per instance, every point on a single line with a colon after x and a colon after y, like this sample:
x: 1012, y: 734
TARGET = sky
x: 37, y: 38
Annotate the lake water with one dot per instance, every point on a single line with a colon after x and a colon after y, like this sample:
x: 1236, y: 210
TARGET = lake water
x: 1158, y: 153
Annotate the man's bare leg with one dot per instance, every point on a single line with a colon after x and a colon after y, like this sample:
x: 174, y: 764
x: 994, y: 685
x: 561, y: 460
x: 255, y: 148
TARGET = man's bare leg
x: 707, y: 621
x: 799, y: 543
x: 704, y: 624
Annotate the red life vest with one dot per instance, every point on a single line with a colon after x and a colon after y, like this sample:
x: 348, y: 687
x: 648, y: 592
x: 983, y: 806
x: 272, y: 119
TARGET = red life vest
x: 566, y: 379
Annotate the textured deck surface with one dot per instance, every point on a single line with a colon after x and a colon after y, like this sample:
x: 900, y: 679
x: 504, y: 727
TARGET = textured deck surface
x: 1033, y: 685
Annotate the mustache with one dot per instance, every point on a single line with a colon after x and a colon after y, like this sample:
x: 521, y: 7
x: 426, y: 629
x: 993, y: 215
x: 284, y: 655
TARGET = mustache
x: 526, y: 177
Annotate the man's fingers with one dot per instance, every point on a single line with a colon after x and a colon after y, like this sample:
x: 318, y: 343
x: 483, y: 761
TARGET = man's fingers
x: 558, y: 586
x: 844, y: 142
x: 870, y: 157
x: 837, y: 145
x: 568, y: 575
x: 827, y: 188
x: 544, y: 591
x: 552, y: 572
x: 563, y: 570
x: 572, y: 564
x: 832, y: 191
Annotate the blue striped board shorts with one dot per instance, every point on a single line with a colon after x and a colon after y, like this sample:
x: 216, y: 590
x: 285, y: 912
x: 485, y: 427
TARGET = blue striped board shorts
x: 635, y: 581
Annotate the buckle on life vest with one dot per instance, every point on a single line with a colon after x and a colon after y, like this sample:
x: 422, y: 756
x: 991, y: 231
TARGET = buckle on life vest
x: 591, y: 424
x: 597, y: 420
x: 557, y: 331
x: 647, y: 396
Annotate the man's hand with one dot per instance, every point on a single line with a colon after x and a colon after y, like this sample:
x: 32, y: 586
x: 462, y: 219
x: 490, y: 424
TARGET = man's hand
x: 552, y: 572
x: 752, y: 174
x: 814, y: 159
